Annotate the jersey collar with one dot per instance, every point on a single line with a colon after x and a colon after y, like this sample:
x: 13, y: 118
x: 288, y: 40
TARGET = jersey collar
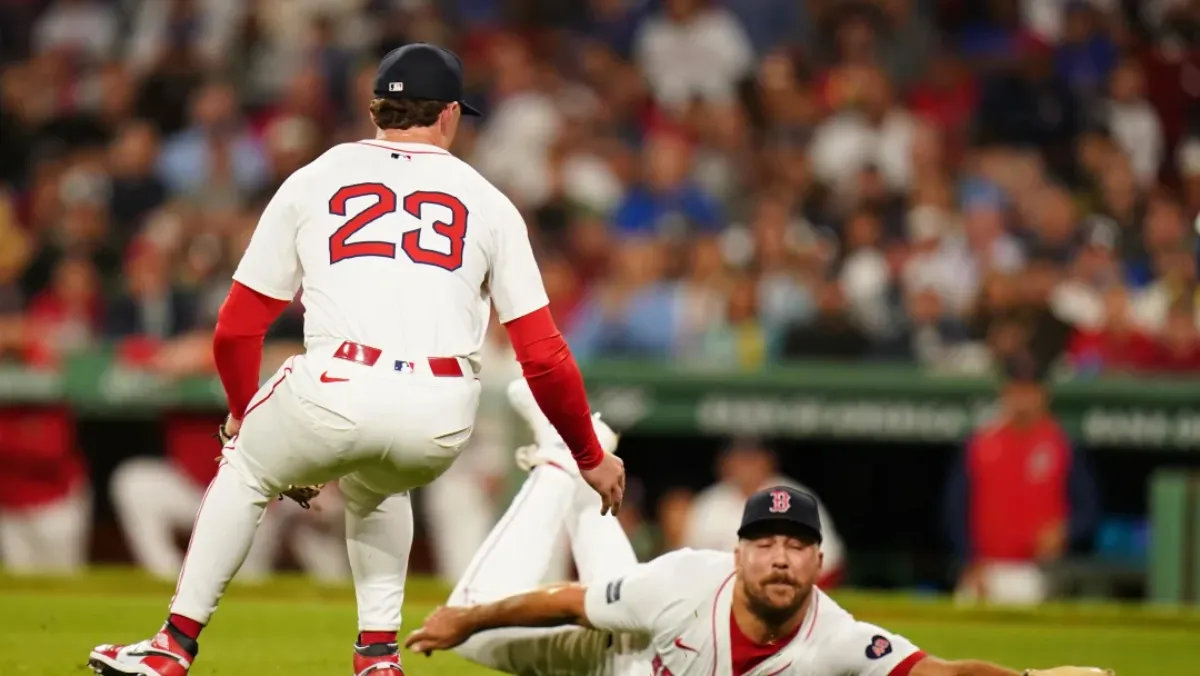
x: 405, y: 147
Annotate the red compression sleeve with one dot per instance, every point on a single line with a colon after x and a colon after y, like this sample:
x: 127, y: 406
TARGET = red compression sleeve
x: 556, y: 383
x: 242, y: 324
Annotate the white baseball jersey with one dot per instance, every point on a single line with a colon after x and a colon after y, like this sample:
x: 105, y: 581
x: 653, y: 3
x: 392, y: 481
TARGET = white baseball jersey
x: 399, y: 246
x: 682, y: 601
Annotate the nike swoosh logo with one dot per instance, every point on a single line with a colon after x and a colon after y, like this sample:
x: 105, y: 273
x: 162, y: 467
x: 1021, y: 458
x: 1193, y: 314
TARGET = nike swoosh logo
x: 683, y: 646
x: 326, y: 378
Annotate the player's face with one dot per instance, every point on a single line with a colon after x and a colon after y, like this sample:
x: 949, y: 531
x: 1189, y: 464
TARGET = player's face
x: 777, y: 573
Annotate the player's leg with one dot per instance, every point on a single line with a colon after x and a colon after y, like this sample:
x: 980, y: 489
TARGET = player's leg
x: 519, y: 549
x: 514, y: 558
x: 277, y: 446
x: 153, y: 501
x: 599, y: 544
x: 318, y: 535
x: 260, y: 560
x: 379, y: 535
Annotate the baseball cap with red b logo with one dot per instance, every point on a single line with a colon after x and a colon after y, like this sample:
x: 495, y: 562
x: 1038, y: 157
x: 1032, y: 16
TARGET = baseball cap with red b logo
x: 780, y: 510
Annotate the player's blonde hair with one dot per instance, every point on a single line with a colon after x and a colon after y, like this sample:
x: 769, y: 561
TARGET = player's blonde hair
x: 406, y: 113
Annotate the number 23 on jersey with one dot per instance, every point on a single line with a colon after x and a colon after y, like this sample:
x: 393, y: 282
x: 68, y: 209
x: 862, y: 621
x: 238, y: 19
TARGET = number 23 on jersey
x: 455, y: 230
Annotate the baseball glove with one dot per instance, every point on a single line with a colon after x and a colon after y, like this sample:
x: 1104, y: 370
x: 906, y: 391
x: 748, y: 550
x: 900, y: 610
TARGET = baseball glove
x: 1069, y: 671
x: 302, y: 495
x: 225, y: 437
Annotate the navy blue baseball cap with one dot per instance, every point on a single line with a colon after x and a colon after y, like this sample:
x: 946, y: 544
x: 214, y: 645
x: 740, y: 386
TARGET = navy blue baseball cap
x: 780, y: 510
x: 422, y: 71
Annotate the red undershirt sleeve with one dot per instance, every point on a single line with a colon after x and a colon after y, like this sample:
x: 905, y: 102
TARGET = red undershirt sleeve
x: 242, y: 324
x: 556, y: 383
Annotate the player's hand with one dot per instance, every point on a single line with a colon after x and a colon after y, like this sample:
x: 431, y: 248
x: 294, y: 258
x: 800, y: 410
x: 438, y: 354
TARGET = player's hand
x: 444, y: 629
x: 229, y: 429
x: 607, y: 479
x: 1070, y: 671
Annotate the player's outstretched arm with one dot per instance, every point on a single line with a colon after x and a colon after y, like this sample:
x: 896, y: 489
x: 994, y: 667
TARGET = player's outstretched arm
x: 519, y: 297
x: 932, y: 666
x: 448, y: 627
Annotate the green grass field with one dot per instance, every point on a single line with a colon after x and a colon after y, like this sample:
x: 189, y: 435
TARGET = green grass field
x: 290, y: 626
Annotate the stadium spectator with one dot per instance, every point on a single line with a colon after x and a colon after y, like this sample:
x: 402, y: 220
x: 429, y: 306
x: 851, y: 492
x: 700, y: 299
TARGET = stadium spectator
x: 215, y: 160
x: 151, y: 305
x: 45, y: 495
x: 668, y: 202
x: 1020, y: 497
x: 692, y: 49
x: 744, y: 468
x: 833, y: 333
x: 1134, y: 123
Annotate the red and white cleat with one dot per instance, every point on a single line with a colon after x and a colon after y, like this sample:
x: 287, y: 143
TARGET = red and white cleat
x: 158, y: 656
x: 377, y: 659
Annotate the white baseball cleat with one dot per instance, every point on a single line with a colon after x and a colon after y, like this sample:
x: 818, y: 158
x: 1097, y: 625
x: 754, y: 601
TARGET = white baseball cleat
x: 548, y: 447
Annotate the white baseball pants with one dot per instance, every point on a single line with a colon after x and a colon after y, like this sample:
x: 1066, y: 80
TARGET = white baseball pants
x: 154, y: 502
x: 380, y: 431
x: 515, y: 558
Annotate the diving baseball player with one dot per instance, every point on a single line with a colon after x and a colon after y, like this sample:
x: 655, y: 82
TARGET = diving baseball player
x: 753, y: 612
x: 398, y: 247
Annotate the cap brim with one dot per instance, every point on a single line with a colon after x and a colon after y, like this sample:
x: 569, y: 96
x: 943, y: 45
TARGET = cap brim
x: 468, y: 109
x: 778, y: 526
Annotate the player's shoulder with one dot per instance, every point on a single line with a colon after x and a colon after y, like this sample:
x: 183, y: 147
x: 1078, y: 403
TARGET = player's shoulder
x: 852, y: 644
x: 695, y: 566
x: 831, y: 618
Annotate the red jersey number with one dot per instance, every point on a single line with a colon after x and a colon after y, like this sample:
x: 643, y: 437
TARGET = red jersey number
x: 385, y: 203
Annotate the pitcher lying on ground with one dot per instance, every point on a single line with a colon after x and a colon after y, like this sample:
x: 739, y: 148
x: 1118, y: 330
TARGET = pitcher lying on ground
x: 755, y: 612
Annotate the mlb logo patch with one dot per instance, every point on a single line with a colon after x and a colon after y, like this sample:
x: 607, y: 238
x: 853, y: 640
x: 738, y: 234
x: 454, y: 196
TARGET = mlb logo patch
x: 879, y: 647
x: 395, y: 86
x: 404, y: 366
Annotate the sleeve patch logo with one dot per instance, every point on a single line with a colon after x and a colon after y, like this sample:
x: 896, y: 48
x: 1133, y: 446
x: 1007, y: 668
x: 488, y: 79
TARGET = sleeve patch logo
x: 879, y: 647
x: 612, y: 593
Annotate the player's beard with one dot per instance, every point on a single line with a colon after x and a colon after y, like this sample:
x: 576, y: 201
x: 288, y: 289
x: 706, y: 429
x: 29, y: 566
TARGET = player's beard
x: 772, y: 612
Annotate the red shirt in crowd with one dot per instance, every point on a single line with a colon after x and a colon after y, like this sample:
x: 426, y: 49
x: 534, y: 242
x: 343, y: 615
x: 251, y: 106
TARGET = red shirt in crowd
x: 42, y: 463
x: 1110, y: 351
x: 1017, y: 487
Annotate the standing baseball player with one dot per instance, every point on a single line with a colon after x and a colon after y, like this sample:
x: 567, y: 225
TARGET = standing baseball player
x: 753, y: 612
x: 398, y: 247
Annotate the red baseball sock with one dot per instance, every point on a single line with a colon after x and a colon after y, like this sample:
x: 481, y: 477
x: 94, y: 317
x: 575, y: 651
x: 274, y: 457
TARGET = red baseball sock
x: 371, y: 637
x: 187, y: 626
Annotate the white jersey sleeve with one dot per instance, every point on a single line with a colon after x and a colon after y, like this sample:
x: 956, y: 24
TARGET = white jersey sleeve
x: 271, y: 263
x: 635, y: 601
x: 514, y: 280
x: 863, y: 649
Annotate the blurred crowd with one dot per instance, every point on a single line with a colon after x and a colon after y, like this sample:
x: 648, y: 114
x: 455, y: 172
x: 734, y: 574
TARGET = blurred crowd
x: 735, y: 182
